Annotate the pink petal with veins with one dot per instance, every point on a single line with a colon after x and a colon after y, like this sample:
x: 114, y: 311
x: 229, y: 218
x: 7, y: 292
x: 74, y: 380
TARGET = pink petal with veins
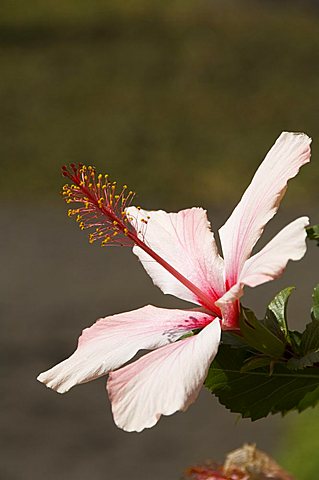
x: 261, y: 200
x: 162, y: 382
x: 185, y: 241
x: 269, y: 263
x: 114, y: 340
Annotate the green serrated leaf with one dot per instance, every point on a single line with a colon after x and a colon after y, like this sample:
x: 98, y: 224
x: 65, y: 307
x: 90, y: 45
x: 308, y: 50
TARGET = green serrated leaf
x: 258, y: 336
x: 311, y: 399
x: 313, y: 232
x: 315, y: 303
x: 275, y: 318
x: 256, y: 362
x: 310, y: 338
x: 255, y: 394
x: 295, y: 339
x: 306, y: 361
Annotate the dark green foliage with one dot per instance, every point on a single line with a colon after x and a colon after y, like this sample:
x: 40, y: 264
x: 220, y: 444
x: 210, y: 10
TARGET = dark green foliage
x: 258, y: 336
x: 313, y: 232
x: 315, y: 304
x: 256, y: 362
x: 268, y: 369
x: 257, y: 393
x: 307, y: 360
x: 275, y: 318
x: 310, y: 338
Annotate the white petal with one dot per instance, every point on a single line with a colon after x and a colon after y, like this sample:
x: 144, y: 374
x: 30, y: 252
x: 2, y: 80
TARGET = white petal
x: 261, y: 200
x: 162, y: 382
x: 183, y: 240
x: 269, y: 263
x: 112, y: 341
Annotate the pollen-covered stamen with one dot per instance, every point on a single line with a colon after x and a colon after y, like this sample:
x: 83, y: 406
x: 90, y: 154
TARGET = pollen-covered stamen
x: 139, y: 224
x: 100, y: 206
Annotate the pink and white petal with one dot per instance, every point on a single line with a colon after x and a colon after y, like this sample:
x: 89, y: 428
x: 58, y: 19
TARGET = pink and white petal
x: 269, y: 263
x: 185, y: 241
x: 261, y: 200
x: 114, y: 340
x: 162, y: 382
x: 232, y: 295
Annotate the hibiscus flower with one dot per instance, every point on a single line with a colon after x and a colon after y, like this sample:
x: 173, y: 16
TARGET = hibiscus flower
x: 179, y: 253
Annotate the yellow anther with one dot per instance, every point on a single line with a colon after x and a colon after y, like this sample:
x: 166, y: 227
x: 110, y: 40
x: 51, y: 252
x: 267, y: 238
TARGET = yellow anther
x: 90, y: 185
x: 115, y: 233
x: 116, y: 197
x: 125, y: 187
x: 70, y: 212
x: 115, y: 223
x: 100, y: 176
x: 98, y: 185
x: 78, y: 218
x: 86, y: 204
x: 125, y: 231
x: 104, y: 187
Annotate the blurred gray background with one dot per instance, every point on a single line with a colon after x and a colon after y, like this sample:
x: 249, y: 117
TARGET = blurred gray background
x: 181, y: 100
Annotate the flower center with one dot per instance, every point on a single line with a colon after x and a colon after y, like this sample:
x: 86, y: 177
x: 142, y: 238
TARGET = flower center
x: 101, y: 208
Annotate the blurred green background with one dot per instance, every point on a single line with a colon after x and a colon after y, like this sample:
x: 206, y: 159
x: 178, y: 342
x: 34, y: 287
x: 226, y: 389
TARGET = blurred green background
x: 181, y: 100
